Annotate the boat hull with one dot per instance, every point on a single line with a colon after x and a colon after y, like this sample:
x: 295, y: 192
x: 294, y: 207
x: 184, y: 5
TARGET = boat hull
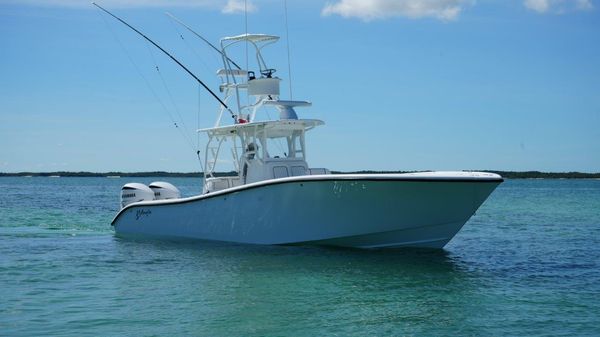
x: 364, y: 211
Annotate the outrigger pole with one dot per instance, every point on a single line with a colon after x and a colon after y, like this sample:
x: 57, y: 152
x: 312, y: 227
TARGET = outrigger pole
x: 169, y: 55
x: 202, y: 38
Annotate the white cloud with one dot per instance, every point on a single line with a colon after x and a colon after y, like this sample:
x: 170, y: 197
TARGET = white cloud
x: 584, y: 5
x: 368, y: 10
x: 540, y: 6
x: 239, y: 6
x: 558, y: 6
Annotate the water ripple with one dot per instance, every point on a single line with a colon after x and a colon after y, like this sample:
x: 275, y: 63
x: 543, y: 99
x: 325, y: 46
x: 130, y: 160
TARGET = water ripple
x: 528, y: 263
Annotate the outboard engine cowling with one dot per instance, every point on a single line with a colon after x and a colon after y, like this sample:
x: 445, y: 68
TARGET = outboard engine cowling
x: 163, y: 190
x: 134, y: 192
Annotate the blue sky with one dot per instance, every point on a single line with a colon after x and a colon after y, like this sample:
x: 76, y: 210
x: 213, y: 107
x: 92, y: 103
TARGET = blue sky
x: 401, y: 85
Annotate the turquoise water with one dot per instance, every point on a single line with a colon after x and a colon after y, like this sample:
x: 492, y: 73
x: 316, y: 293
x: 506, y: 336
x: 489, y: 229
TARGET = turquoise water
x: 528, y: 263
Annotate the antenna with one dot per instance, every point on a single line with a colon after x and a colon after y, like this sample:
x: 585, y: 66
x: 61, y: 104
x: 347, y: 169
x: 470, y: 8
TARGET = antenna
x: 202, y: 38
x: 287, y: 42
x: 246, y: 29
x: 169, y: 55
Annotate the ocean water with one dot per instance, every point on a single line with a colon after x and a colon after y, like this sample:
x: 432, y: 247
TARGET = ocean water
x: 528, y: 263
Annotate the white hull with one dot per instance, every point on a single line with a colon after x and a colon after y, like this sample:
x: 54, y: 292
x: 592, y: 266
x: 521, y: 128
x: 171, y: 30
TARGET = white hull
x: 365, y: 211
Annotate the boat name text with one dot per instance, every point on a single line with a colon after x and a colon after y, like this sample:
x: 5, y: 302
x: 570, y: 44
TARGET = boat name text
x: 142, y: 213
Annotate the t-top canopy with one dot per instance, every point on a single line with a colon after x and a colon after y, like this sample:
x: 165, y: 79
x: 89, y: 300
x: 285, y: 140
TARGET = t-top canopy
x: 278, y: 128
x: 251, y: 37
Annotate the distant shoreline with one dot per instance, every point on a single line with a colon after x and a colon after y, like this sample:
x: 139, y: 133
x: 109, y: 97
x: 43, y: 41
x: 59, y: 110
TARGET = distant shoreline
x: 505, y: 174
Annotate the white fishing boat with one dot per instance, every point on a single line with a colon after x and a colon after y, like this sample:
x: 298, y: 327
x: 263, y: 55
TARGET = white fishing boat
x: 275, y: 197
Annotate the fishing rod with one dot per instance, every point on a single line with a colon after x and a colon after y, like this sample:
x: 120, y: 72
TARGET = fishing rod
x: 203, y: 39
x: 171, y: 56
